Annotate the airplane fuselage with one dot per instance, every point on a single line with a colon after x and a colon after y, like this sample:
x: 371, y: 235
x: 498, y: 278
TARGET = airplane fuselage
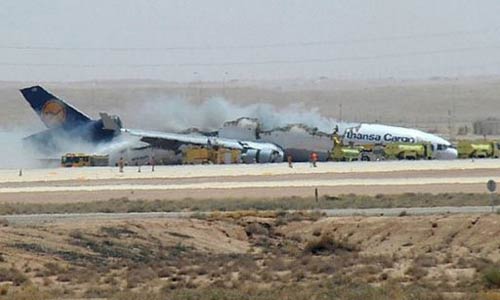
x: 365, y: 134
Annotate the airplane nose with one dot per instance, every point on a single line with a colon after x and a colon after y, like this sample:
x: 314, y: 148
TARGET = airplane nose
x: 451, y: 153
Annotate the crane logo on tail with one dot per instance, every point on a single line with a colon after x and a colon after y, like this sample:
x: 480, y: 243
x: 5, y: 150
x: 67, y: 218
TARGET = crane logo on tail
x: 53, y: 113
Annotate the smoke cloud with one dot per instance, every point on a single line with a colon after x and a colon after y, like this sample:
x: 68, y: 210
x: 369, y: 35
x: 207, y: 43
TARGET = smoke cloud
x: 175, y: 114
x: 171, y: 115
x: 13, y: 152
x: 16, y: 153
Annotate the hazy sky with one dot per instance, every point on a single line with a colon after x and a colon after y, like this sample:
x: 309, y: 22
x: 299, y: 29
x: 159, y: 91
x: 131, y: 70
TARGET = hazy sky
x: 187, y: 40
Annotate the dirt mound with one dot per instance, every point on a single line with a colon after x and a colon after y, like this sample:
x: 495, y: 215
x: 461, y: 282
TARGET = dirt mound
x: 264, y: 255
x: 459, y: 235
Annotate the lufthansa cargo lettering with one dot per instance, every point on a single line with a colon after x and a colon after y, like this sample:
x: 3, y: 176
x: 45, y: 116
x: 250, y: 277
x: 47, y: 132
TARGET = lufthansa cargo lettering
x: 360, y: 136
x: 377, y: 138
x: 398, y: 139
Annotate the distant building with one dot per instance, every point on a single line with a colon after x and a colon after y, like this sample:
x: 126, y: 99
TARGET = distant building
x: 490, y: 126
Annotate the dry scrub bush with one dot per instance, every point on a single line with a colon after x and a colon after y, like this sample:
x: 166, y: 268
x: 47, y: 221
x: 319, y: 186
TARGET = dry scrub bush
x: 326, y: 245
x: 416, y: 272
x: 256, y: 229
x: 488, y: 296
x: 384, y: 261
x: 139, y: 276
x: 52, y: 269
x: 4, y: 289
x: 491, y: 277
x: 128, y: 295
x: 15, y: 276
x: 479, y: 264
x: 100, y: 292
x: 276, y: 264
x: 28, y: 292
x: 425, y: 261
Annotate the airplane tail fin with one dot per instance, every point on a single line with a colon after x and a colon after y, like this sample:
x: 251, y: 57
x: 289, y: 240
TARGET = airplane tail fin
x: 53, y: 111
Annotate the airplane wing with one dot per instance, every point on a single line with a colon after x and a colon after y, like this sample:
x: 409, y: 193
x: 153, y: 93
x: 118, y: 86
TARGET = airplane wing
x: 173, y: 141
x: 251, y: 151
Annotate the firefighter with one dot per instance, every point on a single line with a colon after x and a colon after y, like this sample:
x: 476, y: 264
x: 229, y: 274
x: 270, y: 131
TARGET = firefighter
x: 152, y: 162
x: 314, y: 159
x: 121, y: 163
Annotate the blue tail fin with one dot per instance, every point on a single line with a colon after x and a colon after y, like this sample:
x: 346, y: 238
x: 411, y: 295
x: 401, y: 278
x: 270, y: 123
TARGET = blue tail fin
x: 52, y: 111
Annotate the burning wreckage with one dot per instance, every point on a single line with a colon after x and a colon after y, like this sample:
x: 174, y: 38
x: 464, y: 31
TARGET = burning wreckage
x: 244, y: 136
x: 300, y: 140
x: 296, y: 140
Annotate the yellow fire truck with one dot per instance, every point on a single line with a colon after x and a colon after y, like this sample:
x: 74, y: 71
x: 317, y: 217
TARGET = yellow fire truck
x: 70, y: 160
x: 401, y: 151
x: 341, y: 152
x: 408, y: 151
x: 478, y: 149
x: 200, y: 155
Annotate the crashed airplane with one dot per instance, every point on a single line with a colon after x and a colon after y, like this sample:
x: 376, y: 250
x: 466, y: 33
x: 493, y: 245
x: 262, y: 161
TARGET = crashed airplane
x: 139, y: 147
x: 299, y: 140
x: 67, y: 126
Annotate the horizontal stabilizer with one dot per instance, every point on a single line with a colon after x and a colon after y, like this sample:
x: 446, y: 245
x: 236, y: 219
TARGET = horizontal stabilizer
x: 109, y: 123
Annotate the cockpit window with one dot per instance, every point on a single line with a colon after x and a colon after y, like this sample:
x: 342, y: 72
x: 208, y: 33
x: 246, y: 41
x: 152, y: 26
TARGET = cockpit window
x: 442, y: 147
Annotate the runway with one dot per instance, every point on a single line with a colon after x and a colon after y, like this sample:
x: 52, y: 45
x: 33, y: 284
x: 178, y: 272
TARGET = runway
x: 246, y: 181
x: 200, y: 171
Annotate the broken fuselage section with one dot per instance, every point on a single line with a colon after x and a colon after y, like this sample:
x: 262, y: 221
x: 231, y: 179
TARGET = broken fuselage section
x: 296, y: 140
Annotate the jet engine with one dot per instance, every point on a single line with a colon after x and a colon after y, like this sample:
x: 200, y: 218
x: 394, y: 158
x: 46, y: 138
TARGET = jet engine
x: 264, y: 155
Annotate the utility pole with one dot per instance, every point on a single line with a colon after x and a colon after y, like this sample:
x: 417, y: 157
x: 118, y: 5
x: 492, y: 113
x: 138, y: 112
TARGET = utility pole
x: 451, y: 122
x: 450, y: 129
x: 224, y: 85
x: 196, y: 86
x: 340, y: 112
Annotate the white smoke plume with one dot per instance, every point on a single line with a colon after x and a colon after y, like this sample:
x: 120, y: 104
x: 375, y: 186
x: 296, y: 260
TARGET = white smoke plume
x: 17, y: 154
x: 14, y: 154
x: 171, y: 115
x: 175, y: 114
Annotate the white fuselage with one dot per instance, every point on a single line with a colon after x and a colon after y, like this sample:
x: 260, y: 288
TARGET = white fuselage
x: 363, y: 134
x: 137, y: 153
